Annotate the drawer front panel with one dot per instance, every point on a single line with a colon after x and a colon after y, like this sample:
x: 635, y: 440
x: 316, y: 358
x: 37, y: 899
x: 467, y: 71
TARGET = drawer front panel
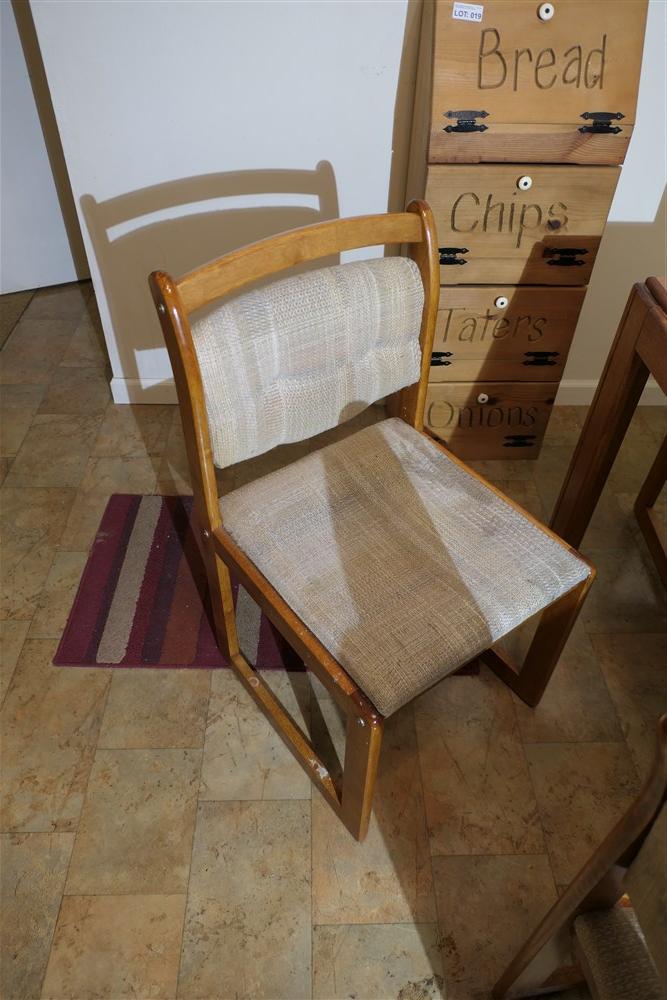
x: 519, y: 235
x: 535, y: 77
x: 490, y: 419
x: 477, y: 336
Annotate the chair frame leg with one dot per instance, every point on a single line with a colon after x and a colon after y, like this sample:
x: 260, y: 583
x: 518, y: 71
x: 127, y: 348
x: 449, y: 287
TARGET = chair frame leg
x: 351, y: 797
x: 529, y: 680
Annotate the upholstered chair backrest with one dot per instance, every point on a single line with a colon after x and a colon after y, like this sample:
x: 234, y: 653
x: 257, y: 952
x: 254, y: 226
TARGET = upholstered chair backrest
x: 286, y: 361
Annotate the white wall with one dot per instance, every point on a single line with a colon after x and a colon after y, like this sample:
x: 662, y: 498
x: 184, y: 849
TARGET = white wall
x: 34, y: 249
x: 148, y: 93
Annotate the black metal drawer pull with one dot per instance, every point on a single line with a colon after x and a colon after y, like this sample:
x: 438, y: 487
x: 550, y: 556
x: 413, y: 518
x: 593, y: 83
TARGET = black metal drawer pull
x: 564, y: 256
x: 519, y: 441
x: 448, y: 255
x: 438, y: 358
x: 465, y: 121
x: 540, y: 358
x: 602, y: 122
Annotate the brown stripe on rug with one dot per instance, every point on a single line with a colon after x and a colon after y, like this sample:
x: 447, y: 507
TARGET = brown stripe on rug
x: 143, y: 599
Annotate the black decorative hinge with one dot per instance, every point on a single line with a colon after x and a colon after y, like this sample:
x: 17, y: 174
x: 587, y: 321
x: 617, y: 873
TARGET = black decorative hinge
x: 438, y: 358
x: 565, y: 256
x: 448, y: 255
x: 519, y: 441
x: 465, y: 121
x: 540, y: 358
x: 602, y: 122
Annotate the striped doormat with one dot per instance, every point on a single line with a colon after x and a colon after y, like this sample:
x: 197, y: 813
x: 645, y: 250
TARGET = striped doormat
x: 143, y: 598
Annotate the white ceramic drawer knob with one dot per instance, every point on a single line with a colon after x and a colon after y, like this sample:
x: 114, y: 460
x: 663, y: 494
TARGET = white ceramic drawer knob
x: 524, y: 183
x: 501, y: 302
x: 545, y: 11
x: 482, y: 398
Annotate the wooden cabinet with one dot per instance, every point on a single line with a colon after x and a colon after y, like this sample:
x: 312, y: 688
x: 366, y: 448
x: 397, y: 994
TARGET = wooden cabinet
x: 490, y: 419
x: 533, y: 225
x: 523, y: 113
x: 537, y: 82
x: 504, y: 333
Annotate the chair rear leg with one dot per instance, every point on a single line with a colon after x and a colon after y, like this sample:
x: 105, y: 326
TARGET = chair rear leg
x: 530, y: 680
x: 222, y: 601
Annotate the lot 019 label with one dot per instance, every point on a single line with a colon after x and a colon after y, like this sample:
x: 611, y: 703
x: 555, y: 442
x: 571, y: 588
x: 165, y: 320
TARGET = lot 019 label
x: 468, y: 12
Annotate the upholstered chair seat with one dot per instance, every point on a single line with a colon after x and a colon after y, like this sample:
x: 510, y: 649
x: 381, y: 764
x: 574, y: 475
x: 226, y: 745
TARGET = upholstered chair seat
x: 402, y: 564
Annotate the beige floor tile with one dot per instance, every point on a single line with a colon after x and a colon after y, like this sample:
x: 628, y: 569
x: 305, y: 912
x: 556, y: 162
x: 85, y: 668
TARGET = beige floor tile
x: 244, y: 757
x: 77, y: 390
x: 247, y: 926
x: 87, y: 348
x: 565, y: 424
x: 5, y: 466
x: 173, y: 474
x: 627, y: 595
x: 115, y: 947
x: 32, y: 522
x: 487, y: 907
x: 59, y: 302
x: 34, y: 350
x: 12, y: 306
x: 634, y: 459
x: 135, y: 832
x: 12, y: 637
x: 477, y: 789
x: 652, y: 419
x: 33, y: 870
x: 120, y: 475
x: 634, y: 667
x: 387, y: 878
x: 55, y: 601
x: 134, y: 431
x: 576, y: 704
x: 83, y: 521
x: 610, y: 527
x: 156, y: 708
x: 582, y: 790
x: 50, y: 721
x: 377, y: 962
x: 18, y: 406
x: 54, y: 451
x: 548, y: 472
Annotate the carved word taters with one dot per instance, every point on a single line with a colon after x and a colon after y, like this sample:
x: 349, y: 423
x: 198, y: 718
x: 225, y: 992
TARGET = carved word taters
x: 443, y: 415
x: 471, y: 211
x: 465, y: 327
x: 516, y: 68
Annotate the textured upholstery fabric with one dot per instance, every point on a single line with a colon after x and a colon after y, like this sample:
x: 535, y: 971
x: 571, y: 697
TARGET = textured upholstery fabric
x: 619, y: 965
x: 402, y: 564
x: 287, y: 361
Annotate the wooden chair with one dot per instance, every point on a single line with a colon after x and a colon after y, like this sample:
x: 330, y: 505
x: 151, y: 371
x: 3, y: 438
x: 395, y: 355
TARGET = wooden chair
x: 457, y: 565
x: 619, y: 952
x: 647, y: 518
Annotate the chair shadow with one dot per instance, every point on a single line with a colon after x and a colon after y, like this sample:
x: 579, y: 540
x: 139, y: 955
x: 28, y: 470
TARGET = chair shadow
x: 177, y: 226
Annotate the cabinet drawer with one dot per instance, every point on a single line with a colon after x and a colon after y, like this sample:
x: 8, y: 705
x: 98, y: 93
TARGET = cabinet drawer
x: 510, y: 225
x: 478, y: 336
x: 533, y: 80
x: 490, y: 419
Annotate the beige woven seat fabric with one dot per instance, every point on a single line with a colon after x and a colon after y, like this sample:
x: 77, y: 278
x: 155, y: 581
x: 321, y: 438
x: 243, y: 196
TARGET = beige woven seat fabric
x: 618, y: 961
x: 287, y: 361
x: 402, y: 564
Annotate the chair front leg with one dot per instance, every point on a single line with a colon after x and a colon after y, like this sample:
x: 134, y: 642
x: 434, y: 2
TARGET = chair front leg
x: 530, y: 680
x: 362, y: 752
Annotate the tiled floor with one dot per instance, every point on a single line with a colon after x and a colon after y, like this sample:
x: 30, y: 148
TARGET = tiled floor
x: 158, y: 841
